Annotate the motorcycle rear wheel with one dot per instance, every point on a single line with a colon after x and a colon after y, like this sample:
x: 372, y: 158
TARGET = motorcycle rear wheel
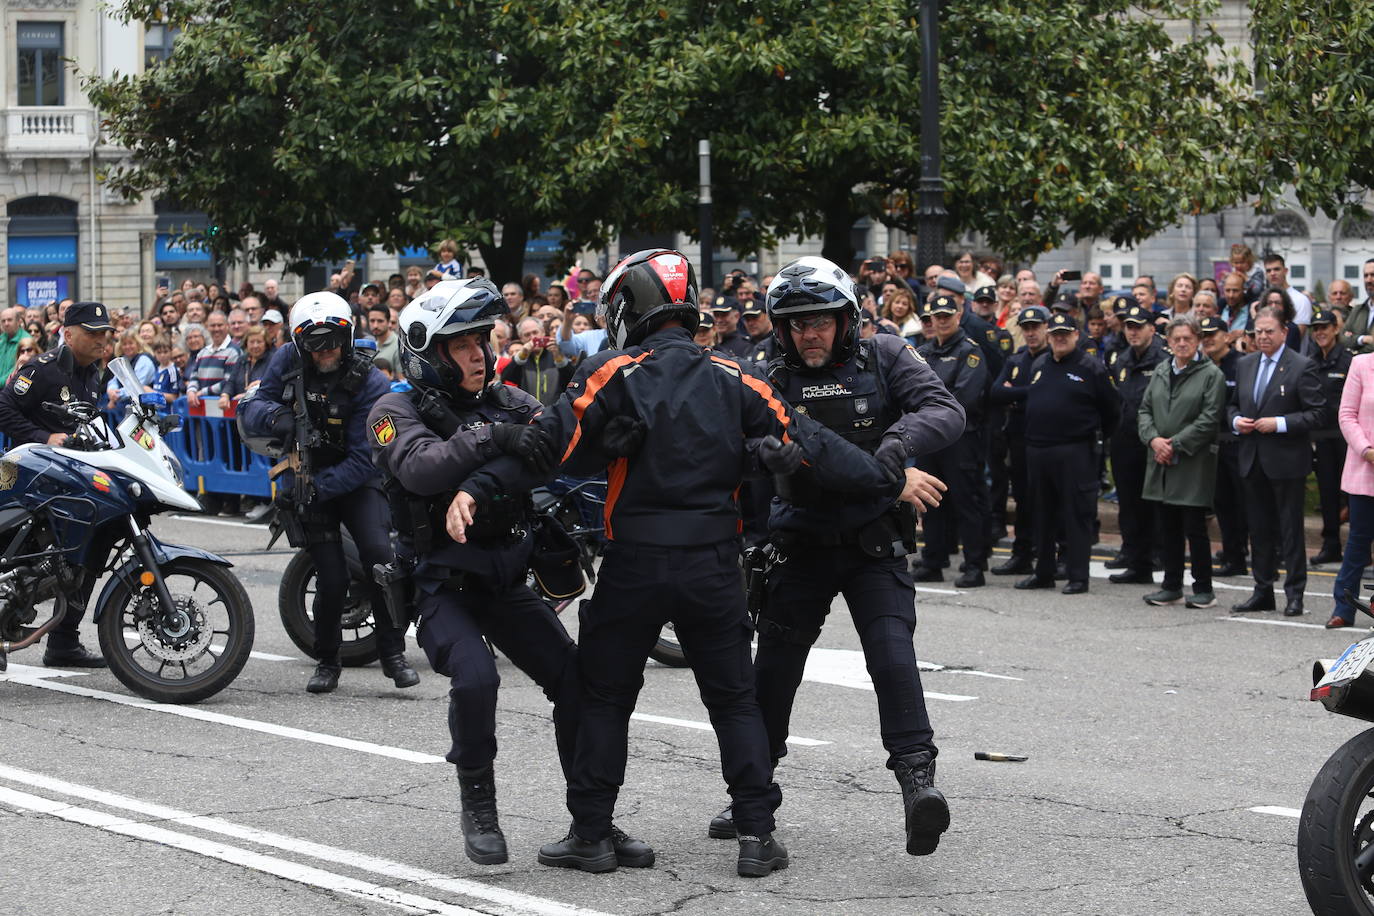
x: 203, y: 652
x: 296, y: 596
x: 668, y: 651
x: 1336, y: 831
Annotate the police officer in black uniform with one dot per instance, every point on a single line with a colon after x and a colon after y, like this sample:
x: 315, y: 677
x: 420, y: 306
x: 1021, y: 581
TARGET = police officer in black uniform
x: 731, y: 339
x: 960, y: 366
x: 759, y: 327
x: 1131, y: 370
x: 995, y: 420
x: 882, y: 396
x: 670, y: 422
x: 1229, y: 499
x: 1328, y: 446
x: 1010, y: 389
x: 71, y: 372
x: 1069, y: 401
x: 322, y: 387
x: 455, y: 417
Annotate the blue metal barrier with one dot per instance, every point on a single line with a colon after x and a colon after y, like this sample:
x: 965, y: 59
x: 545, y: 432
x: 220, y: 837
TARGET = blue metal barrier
x: 215, y: 458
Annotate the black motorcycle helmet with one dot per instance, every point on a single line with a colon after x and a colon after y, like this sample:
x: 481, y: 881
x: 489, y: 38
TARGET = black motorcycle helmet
x: 645, y: 290
x: 447, y: 310
x: 812, y: 286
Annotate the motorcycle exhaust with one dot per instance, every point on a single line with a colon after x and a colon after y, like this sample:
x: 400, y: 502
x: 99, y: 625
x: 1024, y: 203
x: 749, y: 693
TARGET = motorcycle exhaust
x: 1319, y: 669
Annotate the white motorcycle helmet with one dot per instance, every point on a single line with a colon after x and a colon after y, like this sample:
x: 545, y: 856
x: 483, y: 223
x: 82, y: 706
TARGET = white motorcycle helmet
x: 447, y: 310
x: 322, y: 321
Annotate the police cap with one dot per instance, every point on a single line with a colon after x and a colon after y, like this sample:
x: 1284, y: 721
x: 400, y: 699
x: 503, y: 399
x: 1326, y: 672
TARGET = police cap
x: 1120, y: 305
x: 1137, y: 315
x: 93, y: 316
x: 1323, y: 316
x: 985, y: 294
x: 752, y: 308
x: 940, y: 305
x: 1210, y: 325
x: 1062, y: 322
x: 725, y: 304
x: 1033, y: 314
x: 706, y: 321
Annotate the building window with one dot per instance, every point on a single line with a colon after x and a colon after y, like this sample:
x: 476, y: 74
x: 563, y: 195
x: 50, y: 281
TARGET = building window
x: 157, y: 43
x: 40, y: 63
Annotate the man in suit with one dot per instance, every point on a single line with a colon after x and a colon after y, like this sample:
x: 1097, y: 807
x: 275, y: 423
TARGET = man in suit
x: 1278, y: 400
x: 1357, y: 335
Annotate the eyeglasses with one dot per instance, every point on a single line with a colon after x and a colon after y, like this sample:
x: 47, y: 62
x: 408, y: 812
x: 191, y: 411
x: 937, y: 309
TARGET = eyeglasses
x: 819, y: 323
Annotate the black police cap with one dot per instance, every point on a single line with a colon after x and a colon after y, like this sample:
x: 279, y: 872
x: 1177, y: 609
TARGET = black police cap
x: 1120, y: 305
x: 1137, y: 315
x: 940, y: 305
x: 706, y: 320
x: 1323, y: 316
x: 1033, y: 314
x: 93, y: 316
x: 725, y: 304
x: 985, y: 294
x: 1062, y: 322
x: 1210, y: 325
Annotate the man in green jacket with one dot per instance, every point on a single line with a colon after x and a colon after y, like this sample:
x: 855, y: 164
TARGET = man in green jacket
x: 1179, y: 416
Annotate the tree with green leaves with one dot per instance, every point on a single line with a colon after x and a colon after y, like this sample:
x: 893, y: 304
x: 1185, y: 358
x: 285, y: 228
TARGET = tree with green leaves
x: 495, y: 121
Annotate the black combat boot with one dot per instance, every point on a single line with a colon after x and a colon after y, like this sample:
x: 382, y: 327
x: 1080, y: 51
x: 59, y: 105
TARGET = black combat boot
x: 759, y: 855
x: 483, y: 840
x: 326, y: 677
x: 629, y: 851
x: 927, y: 813
x: 722, y: 826
x: 584, y: 855
x: 398, y: 669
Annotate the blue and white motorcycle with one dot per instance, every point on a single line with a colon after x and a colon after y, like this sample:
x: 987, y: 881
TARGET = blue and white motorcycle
x: 174, y: 624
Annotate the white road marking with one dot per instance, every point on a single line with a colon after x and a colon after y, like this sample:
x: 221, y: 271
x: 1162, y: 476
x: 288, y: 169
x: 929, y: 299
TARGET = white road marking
x: 268, y: 728
x: 1099, y: 571
x: 16, y: 672
x: 512, y: 902
x: 932, y: 666
x: 271, y: 865
x: 706, y: 727
x: 260, y: 656
x: 206, y: 520
x: 1281, y: 812
x: 845, y: 668
x: 1283, y: 623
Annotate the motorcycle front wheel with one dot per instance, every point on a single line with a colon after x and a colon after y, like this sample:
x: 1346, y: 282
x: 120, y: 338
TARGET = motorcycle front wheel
x: 192, y: 655
x: 668, y: 651
x: 296, y: 597
x: 1336, y: 833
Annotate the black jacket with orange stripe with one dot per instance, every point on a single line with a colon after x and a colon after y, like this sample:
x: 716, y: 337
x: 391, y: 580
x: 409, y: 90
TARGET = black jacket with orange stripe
x: 701, y: 412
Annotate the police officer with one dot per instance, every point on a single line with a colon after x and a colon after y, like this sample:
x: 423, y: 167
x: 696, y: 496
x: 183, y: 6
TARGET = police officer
x: 960, y: 366
x: 70, y: 372
x: 759, y: 327
x: 1131, y: 370
x: 994, y: 420
x: 1069, y: 401
x: 1328, y: 446
x: 1010, y: 389
x: 455, y: 417
x: 882, y: 396
x: 731, y: 339
x: 323, y: 388
x: 1229, y: 498
x: 671, y: 421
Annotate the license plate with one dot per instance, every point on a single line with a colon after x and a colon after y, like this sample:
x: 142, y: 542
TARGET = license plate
x: 1351, y: 664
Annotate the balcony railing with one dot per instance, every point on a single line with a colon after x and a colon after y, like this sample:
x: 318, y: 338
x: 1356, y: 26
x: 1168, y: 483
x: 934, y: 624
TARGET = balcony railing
x: 38, y: 131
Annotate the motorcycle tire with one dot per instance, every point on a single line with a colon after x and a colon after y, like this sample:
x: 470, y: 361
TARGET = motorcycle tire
x: 668, y: 651
x: 294, y: 598
x: 1332, y: 832
x: 130, y: 646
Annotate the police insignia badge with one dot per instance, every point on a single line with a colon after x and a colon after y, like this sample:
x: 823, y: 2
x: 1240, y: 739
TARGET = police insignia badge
x: 1036, y: 377
x: 1122, y: 376
x: 22, y: 384
x: 384, y: 430
x: 1015, y: 371
x: 800, y: 408
x: 973, y: 360
x: 992, y: 335
x: 919, y: 357
x: 861, y: 405
x: 65, y: 394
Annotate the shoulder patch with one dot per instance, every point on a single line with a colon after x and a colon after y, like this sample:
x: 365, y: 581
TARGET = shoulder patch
x: 992, y: 335
x: 384, y: 430
x: 1015, y: 371
x: 22, y: 384
x: 973, y: 360
x: 918, y: 356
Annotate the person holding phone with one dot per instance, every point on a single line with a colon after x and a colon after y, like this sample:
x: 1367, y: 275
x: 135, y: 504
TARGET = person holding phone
x: 537, y: 365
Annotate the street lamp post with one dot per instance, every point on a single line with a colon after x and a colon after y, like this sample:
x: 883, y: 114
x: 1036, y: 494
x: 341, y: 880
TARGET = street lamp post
x: 930, y: 212
x: 708, y: 267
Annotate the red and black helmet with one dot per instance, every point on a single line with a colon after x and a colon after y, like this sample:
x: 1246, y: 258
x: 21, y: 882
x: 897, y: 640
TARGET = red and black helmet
x: 646, y: 289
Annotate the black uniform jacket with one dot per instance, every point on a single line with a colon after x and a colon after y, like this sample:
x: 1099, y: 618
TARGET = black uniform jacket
x: 54, y: 378
x: 1069, y: 400
x: 700, y: 409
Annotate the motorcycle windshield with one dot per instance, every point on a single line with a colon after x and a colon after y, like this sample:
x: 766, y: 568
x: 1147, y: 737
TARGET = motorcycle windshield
x: 124, y: 374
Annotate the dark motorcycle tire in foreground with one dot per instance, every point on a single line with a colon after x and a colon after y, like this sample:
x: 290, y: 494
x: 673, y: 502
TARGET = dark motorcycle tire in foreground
x: 296, y: 596
x: 1336, y: 837
x: 187, y: 659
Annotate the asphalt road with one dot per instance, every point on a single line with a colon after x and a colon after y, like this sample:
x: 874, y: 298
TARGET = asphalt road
x: 1152, y: 734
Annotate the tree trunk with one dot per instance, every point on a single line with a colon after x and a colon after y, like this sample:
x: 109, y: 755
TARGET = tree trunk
x: 506, y: 262
x: 838, y: 245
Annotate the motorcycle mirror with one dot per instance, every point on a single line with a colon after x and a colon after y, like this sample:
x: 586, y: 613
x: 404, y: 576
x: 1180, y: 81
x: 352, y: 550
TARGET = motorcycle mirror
x: 169, y: 423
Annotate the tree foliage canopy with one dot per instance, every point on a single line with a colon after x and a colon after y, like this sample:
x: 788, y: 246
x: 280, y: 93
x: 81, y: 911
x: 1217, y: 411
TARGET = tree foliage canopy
x: 408, y: 120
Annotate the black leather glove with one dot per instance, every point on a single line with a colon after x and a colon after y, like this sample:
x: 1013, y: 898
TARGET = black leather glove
x: 778, y: 458
x: 623, y: 436
x: 528, y: 443
x: 891, y: 454
x: 283, y: 425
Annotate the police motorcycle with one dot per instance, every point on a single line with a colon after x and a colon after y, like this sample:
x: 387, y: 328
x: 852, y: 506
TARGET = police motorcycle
x: 1336, y: 829
x: 174, y: 625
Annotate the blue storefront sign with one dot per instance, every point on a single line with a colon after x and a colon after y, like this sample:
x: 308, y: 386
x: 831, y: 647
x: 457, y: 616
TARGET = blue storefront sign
x: 175, y: 254
x: 39, y: 291
x: 27, y: 252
